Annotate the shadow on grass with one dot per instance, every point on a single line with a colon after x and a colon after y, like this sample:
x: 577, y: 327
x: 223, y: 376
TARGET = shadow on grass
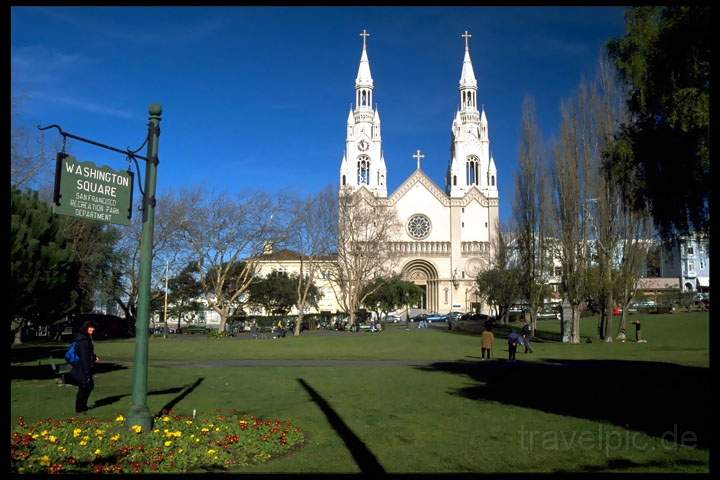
x: 362, y: 455
x: 624, y: 463
x: 664, y: 400
x: 188, y: 389
x: 45, y: 372
x: 32, y: 352
x: 116, y: 398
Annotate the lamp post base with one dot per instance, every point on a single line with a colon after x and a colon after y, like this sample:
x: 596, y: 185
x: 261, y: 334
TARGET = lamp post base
x: 140, y: 415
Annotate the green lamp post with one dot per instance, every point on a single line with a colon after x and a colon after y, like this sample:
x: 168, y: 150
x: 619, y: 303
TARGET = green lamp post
x: 139, y: 413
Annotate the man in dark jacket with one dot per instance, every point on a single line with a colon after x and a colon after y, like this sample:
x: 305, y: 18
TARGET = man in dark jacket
x: 513, y: 340
x: 525, y: 333
x: 82, y: 371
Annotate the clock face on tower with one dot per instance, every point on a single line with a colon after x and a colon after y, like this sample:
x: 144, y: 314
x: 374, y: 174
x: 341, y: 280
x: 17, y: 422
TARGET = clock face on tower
x: 363, y: 145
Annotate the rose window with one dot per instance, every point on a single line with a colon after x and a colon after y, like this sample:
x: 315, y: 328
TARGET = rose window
x: 418, y: 226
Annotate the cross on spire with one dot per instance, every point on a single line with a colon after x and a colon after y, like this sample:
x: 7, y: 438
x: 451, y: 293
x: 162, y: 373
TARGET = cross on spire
x: 466, y: 35
x: 418, y: 156
x: 364, y: 34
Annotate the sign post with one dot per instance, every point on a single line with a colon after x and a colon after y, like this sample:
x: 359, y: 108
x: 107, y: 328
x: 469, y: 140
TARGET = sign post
x: 139, y: 413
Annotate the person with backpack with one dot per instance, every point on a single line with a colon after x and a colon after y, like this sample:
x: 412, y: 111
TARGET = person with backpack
x: 82, y: 365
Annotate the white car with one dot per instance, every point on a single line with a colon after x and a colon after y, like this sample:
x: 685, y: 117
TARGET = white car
x: 391, y: 318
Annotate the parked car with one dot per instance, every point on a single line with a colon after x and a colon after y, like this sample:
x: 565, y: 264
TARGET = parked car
x: 391, y: 317
x: 418, y: 318
x: 548, y: 313
x: 436, y: 317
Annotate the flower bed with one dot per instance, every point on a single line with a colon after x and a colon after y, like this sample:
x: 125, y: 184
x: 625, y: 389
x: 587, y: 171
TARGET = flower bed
x: 176, y: 444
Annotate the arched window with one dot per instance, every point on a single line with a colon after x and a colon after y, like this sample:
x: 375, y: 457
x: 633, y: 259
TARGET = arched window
x: 363, y: 170
x: 454, y: 180
x: 492, y: 180
x: 343, y: 180
x: 471, y: 170
x: 363, y: 100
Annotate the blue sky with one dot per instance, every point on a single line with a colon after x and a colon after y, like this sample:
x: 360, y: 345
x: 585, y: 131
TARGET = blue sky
x: 257, y: 98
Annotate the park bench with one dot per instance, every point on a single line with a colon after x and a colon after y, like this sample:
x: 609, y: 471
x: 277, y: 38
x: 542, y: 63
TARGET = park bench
x: 59, y: 370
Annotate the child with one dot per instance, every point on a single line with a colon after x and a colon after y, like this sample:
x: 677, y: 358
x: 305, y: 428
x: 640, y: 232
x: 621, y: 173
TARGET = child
x: 513, y: 340
x: 488, y: 339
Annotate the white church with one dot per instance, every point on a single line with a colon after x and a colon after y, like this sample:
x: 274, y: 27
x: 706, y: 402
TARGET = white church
x: 447, y: 232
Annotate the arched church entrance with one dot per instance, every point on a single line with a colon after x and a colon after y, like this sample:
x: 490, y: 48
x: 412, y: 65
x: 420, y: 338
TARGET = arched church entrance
x: 424, y: 274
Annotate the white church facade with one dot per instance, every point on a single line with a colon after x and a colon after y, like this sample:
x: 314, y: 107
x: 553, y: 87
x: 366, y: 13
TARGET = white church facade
x: 446, y: 233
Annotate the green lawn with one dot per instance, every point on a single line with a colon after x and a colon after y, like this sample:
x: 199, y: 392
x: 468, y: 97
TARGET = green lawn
x: 589, y: 407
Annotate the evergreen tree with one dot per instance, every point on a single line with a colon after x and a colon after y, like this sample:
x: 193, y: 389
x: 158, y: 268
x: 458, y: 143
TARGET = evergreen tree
x: 44, y: 270
x: 663, y: 152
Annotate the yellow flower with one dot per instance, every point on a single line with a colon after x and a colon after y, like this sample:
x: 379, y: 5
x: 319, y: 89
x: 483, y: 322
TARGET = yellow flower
x: 217, y: 429
x: 83, y: 443
x: 180, y: 451
x: 115, y: 438
x: 99, y: 432
x: 86, y: 438
x: 166, y: 418
x: 120, y: 418
x: 44, y: 433
x: 197, y: 440
x: 61, y: 448
x: 178, y: 433
x: 76, y: 432
x: 97, y: 451
x: 45, y: 460
x: 52, y: 438
x: 35, y: 435
x: 204, y: 430
x: 211, y: 452
x: 168, y: 443
x: 189, y: 422
x: 136, y: 428
x: 192, y: 435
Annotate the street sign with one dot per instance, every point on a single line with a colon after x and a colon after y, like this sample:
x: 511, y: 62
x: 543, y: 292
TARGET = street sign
x: 85, y: 190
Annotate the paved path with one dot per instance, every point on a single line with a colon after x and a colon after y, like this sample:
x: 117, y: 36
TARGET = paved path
x: 279, y: 363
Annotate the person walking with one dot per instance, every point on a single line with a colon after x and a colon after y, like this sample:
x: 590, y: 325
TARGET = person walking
x: 638, y: 334
x: 513, y: 340
x: 82, y: 371
x: 525, y: 332
x: 487, y: 342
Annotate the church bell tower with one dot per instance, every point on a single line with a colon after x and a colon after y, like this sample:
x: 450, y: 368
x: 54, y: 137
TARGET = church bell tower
x: 363, y: 164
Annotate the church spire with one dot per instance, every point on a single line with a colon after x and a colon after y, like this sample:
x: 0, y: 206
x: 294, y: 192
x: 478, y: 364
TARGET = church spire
x: 364, y: 81
x: 468, y: 83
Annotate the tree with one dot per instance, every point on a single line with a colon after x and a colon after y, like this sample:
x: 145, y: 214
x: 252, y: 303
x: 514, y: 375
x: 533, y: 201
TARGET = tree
x: 530, y: 210
x: 366, y: 228
x: 43, y: 267
x: 387, y: 294
x: 173, y: 213
x: 634, y: 233
x: 570, y: 177
x: 312, y: 233
x: 184, y: 290
x: 607, y: 113
x: 94, y: 247
x: 664, y: 147
x: 499, y: 285
x: 227, y: 236
x: 31, y: 165
x: 276, y: 293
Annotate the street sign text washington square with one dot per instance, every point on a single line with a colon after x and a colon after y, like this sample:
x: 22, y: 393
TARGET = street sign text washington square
x: 92, y: 192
